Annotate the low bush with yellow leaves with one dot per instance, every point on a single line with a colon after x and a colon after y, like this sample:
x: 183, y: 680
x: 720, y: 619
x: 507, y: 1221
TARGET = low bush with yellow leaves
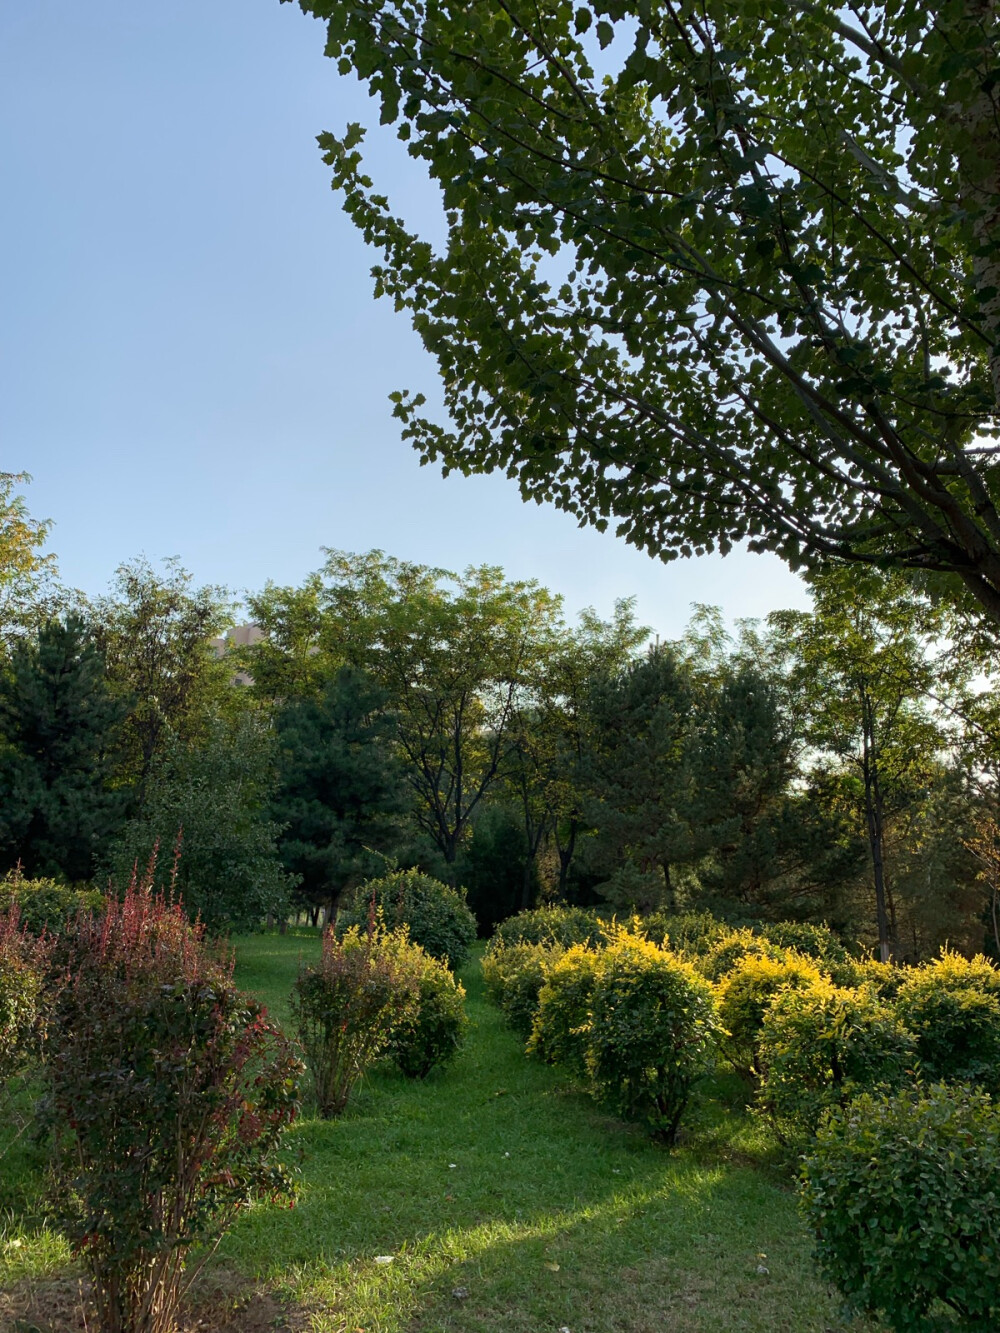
x: 561, y: 1030
x: 653, y: 1032
x: 952, y: 1007
x: 744, y: 995
x: 823, y: 1045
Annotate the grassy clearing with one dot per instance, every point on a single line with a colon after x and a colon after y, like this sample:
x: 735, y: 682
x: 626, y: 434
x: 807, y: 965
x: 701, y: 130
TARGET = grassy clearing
x: 506, y: 1201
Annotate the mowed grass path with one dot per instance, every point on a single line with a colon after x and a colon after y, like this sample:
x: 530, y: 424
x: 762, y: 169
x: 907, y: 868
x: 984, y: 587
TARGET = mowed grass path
x: 508, y: 1202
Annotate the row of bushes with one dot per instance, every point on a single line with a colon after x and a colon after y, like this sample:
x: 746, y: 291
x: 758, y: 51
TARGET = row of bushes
x: 638, y: 1022
x: 785, y: 1021
x: 883, y: 1074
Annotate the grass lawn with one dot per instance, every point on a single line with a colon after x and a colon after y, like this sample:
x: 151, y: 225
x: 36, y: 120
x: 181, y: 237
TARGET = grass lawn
x: 505, y: 1201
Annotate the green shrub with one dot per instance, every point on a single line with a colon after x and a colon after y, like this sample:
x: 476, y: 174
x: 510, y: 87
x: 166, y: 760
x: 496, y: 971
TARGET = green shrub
x: 561, y: 1030
x: 882, y: 979
x: 23, y: 959
x: 744, y: 995
x: 822, y: 1046
x: 167, y: 1095
x: 45, y: 904
x: 565, y: 926
x: 692, y: 934
x: 435, y: 915
x: 952, y: 1007
x: 653, y: 1032
x: 903, y: 1198
x: 730, y: 949
x: 811, y: 941
x: 347, y: 1007
x: 432, y: 1034
x: 514, y: 976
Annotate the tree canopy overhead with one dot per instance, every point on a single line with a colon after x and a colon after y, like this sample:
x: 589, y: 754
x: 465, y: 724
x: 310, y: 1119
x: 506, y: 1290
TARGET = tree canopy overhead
x: 715, y: 270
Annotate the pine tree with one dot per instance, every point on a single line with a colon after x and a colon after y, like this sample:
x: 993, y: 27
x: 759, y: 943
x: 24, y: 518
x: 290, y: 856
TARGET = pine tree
x: 58, y: 724
x: 775, y: 851
x: 638, y: 771
x: 340, y: 788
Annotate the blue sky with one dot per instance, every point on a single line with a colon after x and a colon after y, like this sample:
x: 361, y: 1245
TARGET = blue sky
x: 191, y: 359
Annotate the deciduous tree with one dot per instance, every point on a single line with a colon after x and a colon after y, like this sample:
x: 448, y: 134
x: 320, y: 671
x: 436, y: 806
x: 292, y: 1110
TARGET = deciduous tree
x: 862, y: 665
x: 712, y: 272
x: 156, y: 633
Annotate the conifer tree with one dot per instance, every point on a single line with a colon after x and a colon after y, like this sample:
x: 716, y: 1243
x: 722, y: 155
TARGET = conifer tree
x: 340, y: 787
x: 638, y: 772
x: 58, y: 728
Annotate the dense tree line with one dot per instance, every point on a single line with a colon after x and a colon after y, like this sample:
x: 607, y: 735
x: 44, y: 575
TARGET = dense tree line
x: 835, y: 765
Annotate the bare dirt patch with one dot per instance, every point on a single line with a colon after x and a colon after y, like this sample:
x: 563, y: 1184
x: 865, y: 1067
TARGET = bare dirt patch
x: 221, y: 1301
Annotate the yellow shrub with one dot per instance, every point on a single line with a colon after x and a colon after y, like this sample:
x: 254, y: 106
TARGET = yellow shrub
x: 744, y: 996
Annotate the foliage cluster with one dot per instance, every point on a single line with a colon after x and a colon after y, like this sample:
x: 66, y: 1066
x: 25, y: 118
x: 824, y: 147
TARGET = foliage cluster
x: 561, y: 925
x: 653, y: 1029
x: 744, y: 996
x: 514, y: 975
x: 210, y: 803
x: 691, y: 934
x: 729, y: 949
x: 430, y: 1036
x: 561, y: 1027
x: 820, y: 1047
x: 435, y: 915
x: 45, y: 904
x: 635, y: 1021
x: 23, y: 965
x: 952, y: 1007
x: 901, y: 1193
x: 348, y: 1006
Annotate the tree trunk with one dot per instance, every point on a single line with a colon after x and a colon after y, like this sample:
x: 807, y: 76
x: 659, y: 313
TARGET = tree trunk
x: 529, y: 862
x: 873, y: 818
x: 566, y: 857
x: 671, y: 896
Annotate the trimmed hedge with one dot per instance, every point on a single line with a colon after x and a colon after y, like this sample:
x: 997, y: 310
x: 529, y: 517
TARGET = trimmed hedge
x: 903, y: 1197
x: 731, y: 949
x: 514, y: 976
x: 562, y: 1026
x: 45, y: 904
x: 952, y: 1007
x: 435, y: 915
x: 822, y: 1046
x: 564, y: 926
x: 652, y: 1033
x: 692, y: 934
x: 432, y: 1035
x: 744, y: 996
x: 811, y: 941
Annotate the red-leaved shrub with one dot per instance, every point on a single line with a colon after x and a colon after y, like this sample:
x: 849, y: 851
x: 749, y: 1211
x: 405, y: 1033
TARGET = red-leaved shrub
x: 168, y: 1092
